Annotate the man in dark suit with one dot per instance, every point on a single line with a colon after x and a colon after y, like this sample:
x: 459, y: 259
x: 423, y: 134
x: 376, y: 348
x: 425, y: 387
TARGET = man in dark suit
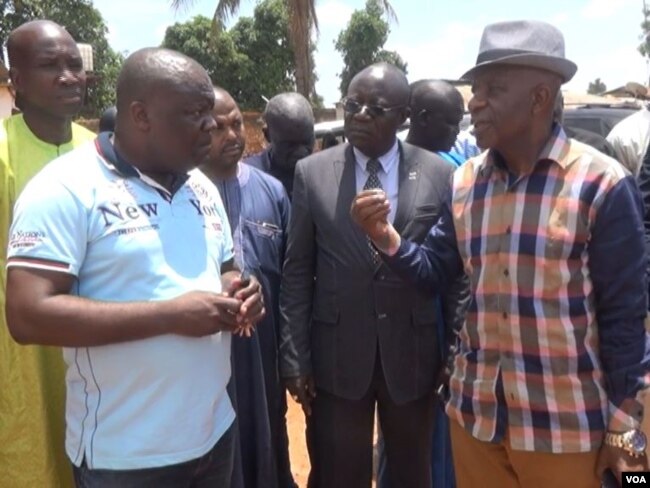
x: 354, y: 336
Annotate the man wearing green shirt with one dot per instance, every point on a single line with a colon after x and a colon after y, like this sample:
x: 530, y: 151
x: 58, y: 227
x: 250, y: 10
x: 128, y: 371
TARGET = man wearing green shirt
x: 48, y: 76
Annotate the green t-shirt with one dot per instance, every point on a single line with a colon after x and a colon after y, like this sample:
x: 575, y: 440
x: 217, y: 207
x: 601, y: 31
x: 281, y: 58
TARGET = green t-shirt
x: 32, y: 381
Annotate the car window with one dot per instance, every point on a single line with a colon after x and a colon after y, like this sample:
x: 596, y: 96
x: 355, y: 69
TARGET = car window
x: 584, y: 123
x: 600, y: 120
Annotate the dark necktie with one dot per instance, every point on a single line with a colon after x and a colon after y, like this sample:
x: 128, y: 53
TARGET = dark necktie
x: 372, y: 167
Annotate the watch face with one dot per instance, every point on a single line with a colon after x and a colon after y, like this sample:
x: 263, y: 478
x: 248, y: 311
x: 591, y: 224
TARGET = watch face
x: 638, y: 441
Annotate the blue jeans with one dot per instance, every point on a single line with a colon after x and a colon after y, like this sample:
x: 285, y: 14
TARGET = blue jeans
x: 212, y: 470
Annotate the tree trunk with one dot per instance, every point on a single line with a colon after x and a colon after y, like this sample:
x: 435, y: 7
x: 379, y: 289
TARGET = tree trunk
x: 302, y: 16
x: 304, y: 84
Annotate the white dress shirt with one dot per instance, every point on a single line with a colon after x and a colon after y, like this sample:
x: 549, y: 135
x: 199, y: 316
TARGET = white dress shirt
x: 630, y: 138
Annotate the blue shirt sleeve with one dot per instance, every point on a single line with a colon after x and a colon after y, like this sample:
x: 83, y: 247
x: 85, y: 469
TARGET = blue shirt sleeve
x: 50, y: 227
x: 617, y: 264
x: 436, y: 263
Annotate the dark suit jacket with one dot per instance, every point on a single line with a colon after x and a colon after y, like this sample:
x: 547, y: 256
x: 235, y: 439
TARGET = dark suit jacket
x: 336, y: 306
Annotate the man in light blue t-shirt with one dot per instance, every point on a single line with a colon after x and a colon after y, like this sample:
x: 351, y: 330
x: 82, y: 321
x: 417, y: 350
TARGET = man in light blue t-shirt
x: 125, y: 259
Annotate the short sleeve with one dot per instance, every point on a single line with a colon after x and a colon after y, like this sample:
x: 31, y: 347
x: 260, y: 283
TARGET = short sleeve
x: 49, y: 228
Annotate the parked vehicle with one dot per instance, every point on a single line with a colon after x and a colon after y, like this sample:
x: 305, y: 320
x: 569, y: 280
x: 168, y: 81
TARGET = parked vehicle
x: 598, y: 118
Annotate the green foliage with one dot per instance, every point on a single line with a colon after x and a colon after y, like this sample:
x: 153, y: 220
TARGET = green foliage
x: 596, y: 87
x: 11, y: 16
x: 218, y: 56
x: 361, y: 43
x: 251, y: 60
x: 393, y: 58
x: 86, y: 25
x: 265, y: 43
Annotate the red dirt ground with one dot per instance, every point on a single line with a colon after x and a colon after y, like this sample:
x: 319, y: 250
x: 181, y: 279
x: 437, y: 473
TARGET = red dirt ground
x: 297, y: 448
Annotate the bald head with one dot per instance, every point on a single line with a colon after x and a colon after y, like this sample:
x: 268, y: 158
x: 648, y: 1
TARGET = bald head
x: 289, y: 121
x: 435, y: 95
x: 289, y: 111
x: 24, y: 41
x: 386, y: 79
x: 149, y: 71
x: 436, y: 112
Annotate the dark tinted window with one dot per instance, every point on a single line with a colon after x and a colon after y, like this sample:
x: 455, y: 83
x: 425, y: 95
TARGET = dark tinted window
x: 585, y: 123
x: 596, y: 119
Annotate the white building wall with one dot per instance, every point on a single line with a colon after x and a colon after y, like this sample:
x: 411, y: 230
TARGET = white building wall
x: 6, y: 102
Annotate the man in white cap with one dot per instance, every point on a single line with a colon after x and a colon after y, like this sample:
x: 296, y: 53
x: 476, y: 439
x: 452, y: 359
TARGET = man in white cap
x: 553, y: 351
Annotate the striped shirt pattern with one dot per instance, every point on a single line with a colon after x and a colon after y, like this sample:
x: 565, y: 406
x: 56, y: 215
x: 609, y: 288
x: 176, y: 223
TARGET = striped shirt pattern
x: 531, y: 334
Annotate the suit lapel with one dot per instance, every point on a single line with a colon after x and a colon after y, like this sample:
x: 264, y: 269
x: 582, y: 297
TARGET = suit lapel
x: 409, y: 178
x: 345, y: 176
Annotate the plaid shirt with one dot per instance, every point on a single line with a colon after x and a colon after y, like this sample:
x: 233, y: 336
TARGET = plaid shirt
x: 554, y: 347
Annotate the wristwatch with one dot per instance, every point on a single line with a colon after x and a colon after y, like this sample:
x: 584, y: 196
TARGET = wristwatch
x: 633, y: 441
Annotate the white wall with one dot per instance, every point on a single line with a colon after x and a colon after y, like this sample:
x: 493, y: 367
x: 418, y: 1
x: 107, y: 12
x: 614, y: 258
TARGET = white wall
x: 6, y: 102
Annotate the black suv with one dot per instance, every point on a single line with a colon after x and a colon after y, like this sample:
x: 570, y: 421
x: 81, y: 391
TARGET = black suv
x: 600, y: 119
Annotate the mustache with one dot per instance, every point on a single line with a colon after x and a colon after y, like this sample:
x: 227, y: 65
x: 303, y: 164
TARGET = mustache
x: 232, y: 147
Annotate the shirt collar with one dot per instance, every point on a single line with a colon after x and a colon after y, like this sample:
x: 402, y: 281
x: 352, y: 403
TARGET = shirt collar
x: 36, y: 141
x: 111, y: 159
x: 387, y: 160
x: 243, y: 173
x: 116, y: 163
x: 556, y: 149
x: 242, y: 176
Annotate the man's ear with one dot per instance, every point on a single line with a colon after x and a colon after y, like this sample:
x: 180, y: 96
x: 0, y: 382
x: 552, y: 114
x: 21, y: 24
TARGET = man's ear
x: 543, y: 99
x: 421, y: 118
x: 265, y: 131
x: 139, y: 116
x: 16, y: 79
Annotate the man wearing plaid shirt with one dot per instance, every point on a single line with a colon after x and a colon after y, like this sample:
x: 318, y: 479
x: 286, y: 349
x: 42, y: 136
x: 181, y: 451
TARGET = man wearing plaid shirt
x: 553, y: 351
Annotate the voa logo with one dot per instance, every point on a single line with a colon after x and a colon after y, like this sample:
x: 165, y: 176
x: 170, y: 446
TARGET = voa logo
x: 636, y: 479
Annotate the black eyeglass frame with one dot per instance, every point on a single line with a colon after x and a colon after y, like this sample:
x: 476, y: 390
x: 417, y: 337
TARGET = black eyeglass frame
x: 372, y: 110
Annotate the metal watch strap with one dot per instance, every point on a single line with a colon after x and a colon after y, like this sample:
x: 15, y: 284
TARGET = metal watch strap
x: 614, y: 440
x: 620, y: 441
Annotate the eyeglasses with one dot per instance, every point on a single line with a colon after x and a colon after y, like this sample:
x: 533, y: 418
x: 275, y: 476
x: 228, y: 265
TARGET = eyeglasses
x: 354, y: 107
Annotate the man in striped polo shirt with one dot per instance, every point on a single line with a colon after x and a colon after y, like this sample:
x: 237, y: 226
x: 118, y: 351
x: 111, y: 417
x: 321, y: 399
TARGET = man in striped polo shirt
x: 553, y: 351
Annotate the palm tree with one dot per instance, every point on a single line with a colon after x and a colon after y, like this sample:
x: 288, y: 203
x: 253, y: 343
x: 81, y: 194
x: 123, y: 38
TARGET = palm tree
x: 302, y: 18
